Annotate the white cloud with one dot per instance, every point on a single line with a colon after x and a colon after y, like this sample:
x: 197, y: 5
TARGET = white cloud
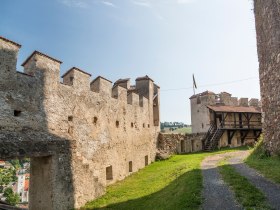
x: 143, y: 3
x: 74, y: 3
x: 107, y: 3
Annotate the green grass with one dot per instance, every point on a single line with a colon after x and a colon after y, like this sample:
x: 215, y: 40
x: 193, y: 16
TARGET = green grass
x: 183, y: 130
x: 268, y: 166
x: 246, y: 193
x: 174, y: 184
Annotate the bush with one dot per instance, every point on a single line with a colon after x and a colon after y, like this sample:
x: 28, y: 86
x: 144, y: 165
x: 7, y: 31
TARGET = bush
x: 260, y: 151
x: 11, y: 197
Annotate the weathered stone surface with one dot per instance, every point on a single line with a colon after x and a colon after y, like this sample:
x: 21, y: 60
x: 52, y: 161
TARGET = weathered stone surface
x: 169, y: 144
x: 200, y: 116
x: 73, y: 130
x: 267, y: 18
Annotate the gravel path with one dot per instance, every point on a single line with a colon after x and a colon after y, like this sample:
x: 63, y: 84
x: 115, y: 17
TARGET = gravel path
x: 216, y: 194
x: 270, y: 189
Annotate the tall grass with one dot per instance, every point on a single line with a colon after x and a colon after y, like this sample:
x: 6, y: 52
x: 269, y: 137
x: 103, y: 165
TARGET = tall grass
x: 267, y: 165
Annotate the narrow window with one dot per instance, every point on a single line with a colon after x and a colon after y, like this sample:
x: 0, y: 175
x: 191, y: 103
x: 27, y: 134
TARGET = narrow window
x: 117, y: 123
x: 146, y: 160
x: 94, y: 120
x: 130, y: 166
x: 198, y: 101
x: 143, y: 125
x: 202, y: 125
x: 109, y: 173
x: 71, y: 79
x: 17, y: 113
x: 182, y: 146
x: 132, y: 124
x: 148, y: 125
x: 70, y: 118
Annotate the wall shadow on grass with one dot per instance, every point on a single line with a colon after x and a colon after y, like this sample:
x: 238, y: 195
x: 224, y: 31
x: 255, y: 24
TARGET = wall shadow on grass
x: 183, y: 193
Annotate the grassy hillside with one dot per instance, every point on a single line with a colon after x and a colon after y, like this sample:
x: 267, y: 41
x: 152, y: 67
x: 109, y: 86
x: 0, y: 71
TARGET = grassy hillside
x: 183, y: 130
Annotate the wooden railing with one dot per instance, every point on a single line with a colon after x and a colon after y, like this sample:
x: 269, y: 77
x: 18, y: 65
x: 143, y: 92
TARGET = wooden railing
x: 244, y: 124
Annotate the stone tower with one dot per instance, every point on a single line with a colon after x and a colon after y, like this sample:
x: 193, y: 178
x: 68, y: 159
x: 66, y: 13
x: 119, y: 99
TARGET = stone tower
x: 200, y: 112
x: 267, y: 17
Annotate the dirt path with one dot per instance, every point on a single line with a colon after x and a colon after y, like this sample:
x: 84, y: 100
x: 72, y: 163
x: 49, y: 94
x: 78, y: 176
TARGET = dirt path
x: 270, y: 189
x: 216, y: 193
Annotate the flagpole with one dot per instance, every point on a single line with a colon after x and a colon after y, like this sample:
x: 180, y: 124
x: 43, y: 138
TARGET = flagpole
x: 194, y: 85
x: 193, y: 90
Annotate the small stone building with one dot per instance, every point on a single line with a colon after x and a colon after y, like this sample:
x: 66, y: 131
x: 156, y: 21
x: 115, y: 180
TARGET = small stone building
x: 226, y: 120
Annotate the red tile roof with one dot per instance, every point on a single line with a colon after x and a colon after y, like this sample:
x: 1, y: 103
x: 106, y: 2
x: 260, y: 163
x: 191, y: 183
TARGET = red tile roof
x: 238, y: 109
x: 26, y: 185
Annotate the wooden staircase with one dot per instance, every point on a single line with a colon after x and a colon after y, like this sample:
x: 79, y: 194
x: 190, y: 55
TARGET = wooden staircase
x: 212, y: 137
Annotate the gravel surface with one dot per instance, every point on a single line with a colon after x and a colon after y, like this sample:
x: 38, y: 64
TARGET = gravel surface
x: 216, y: 193
x: 270, y: 189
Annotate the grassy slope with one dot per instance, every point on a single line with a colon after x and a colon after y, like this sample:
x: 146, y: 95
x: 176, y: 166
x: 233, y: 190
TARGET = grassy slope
x: 172, y: 184
x: 183, y: 130
x: 246, y: 193
x: 268, y: 166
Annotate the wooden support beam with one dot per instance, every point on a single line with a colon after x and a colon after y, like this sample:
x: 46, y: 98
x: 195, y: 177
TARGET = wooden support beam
x: 215, y: 119
x: 226, y: 116
x: 249, y: 118
x: 244, y: 135
x: 230, y: 135
x: 223, y: 119
x: 257, y: 134
x: 234, y: 120
x: 240, y: 120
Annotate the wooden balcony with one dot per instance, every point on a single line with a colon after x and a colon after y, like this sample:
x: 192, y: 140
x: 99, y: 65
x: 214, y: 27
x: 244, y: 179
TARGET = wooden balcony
x: 231, y: 125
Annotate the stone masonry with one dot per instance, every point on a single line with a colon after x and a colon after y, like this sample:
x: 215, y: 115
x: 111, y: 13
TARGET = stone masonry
x: 267, y: 18
x: 200, y: 115
x: 81, y: 136
x: 169, y: 144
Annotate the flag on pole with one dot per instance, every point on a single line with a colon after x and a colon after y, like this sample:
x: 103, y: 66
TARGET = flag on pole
x: 194, y: 84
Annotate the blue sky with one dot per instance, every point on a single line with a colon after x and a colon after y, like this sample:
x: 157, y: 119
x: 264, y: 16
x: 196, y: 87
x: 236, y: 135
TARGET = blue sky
x: 168, y: 40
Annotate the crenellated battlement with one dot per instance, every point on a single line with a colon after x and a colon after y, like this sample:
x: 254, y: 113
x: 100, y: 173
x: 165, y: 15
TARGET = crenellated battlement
x: 223, y: 98
x: 46, y: 69
x: 98, y: 131
x: 200, y: 102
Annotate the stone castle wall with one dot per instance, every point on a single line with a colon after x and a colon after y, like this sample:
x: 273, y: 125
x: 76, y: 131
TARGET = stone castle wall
x: 267, y: 18
x: 169, y: 144
x: 87, y: 135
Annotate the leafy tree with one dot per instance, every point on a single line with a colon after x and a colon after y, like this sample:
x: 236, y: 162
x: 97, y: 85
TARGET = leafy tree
x: 7, y: 176
x: 11, y: 197
x: 8, y: 191
x: 15, y: 163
